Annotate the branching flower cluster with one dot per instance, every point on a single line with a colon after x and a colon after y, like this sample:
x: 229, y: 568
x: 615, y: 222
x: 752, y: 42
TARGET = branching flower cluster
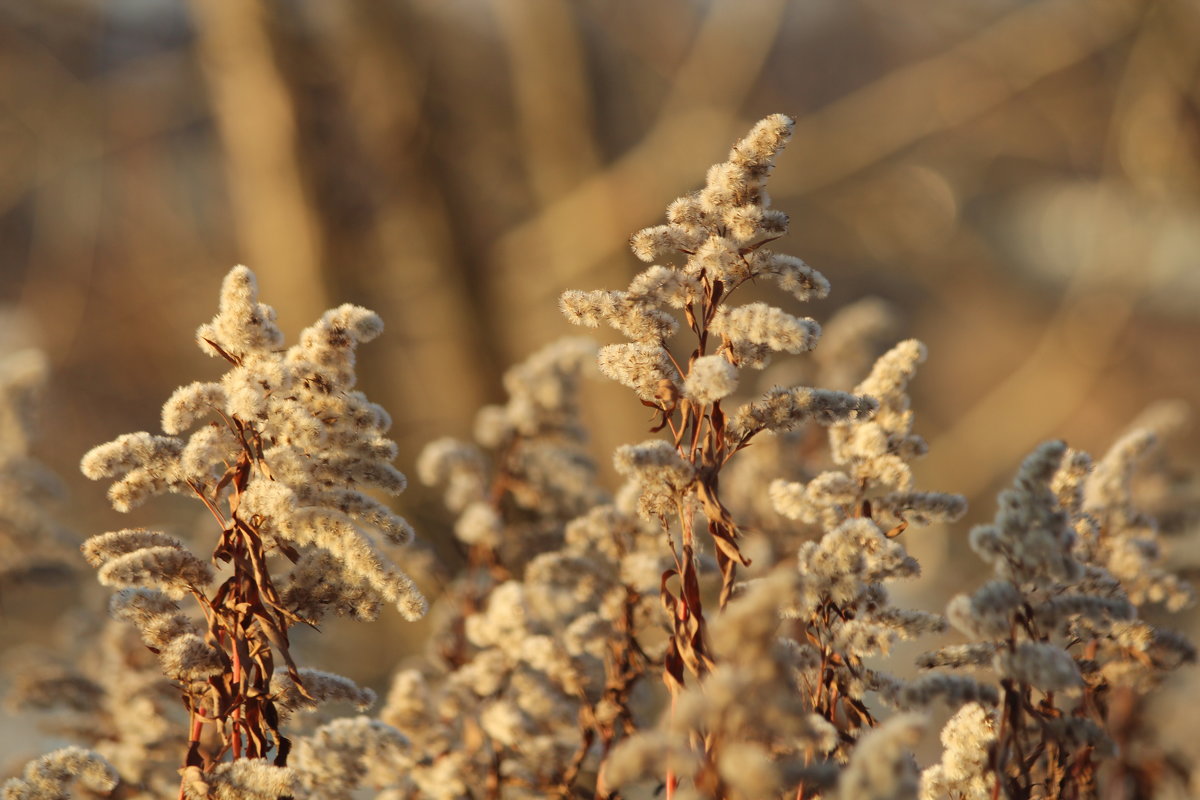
x: 1058, y: 627
x: 529, y: 679
x: 715, y: 241
x: 53, y: 774
x: 540, y: 474
x: 875, y: 478
x: 282, y: 453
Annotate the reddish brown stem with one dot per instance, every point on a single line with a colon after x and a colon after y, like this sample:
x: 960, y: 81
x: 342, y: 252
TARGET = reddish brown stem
x: 671, y: 780
x: 236, y: 713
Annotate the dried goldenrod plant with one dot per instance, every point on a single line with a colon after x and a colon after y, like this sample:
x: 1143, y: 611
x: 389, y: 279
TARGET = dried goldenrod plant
x: 53, y: 774
x: 106, y: 690
x: 529, y: 680
x: 280, y: 451
x: 718, y: 239
x: 1059, y: 625
x: 32, y: 541
x: 605, y: 644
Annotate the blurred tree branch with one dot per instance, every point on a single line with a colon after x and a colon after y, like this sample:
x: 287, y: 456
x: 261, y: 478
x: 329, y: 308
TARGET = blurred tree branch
x: 276, y: 222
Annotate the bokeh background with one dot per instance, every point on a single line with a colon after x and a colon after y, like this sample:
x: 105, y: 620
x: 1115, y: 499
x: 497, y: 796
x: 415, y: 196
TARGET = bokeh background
x: 1019, y: 179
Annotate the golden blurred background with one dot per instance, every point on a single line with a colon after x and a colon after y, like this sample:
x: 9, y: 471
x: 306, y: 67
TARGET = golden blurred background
x: 1019, y: 179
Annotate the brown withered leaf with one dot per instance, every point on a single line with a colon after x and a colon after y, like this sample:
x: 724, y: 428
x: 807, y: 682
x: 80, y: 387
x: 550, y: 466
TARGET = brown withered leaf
x: 232, y: 359
x: 724, y: 532
x: 688, y: 629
